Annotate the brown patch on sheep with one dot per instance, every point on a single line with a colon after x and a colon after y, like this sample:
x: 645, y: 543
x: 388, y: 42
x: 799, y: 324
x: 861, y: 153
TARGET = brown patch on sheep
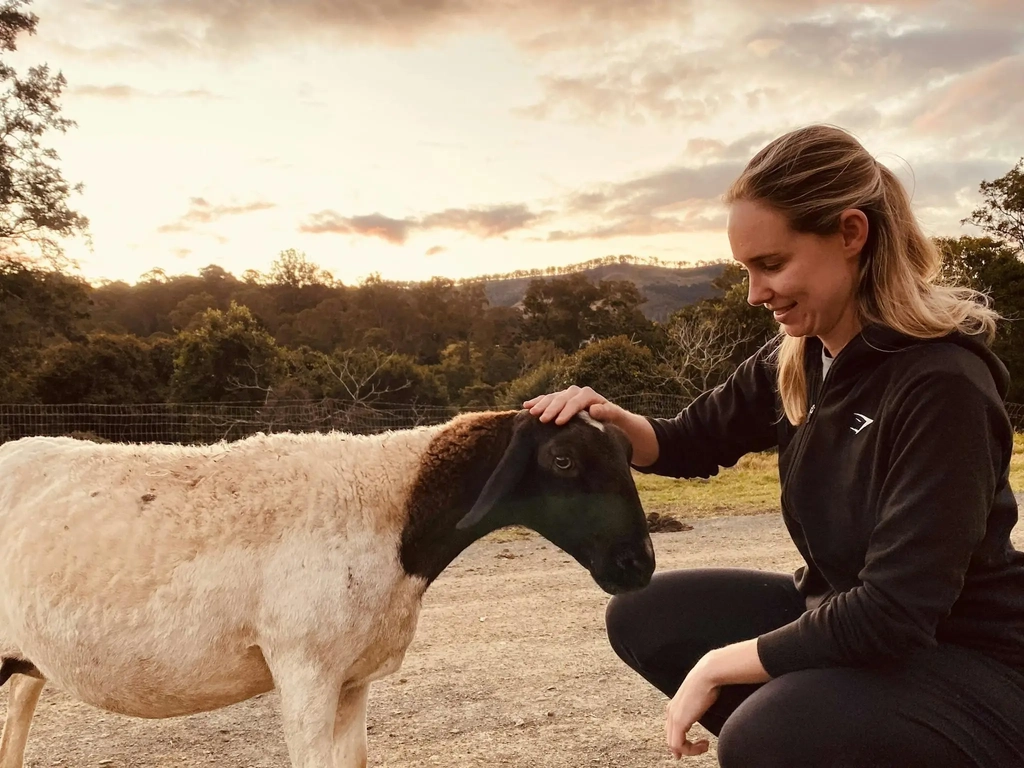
x: 452, y: 472
x: 10, y: 666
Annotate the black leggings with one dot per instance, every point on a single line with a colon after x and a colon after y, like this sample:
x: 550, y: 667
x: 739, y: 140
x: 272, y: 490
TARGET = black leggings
x: 944, y: 706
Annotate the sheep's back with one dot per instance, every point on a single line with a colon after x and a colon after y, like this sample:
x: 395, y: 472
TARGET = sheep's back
x: 83, y: 520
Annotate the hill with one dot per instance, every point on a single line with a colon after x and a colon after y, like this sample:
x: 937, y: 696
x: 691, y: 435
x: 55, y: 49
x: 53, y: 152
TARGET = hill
x: 667, y: 288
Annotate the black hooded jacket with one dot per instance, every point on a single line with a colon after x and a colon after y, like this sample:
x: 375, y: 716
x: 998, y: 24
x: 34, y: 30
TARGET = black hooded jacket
x: 895, y: 491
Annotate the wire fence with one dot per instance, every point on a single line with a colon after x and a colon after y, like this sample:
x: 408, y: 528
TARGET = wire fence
x: 210, y: 422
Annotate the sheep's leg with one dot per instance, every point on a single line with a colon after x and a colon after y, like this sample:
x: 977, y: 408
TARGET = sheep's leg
x: 309, y: 703
x: 21, y: 705
x: 350, y: 728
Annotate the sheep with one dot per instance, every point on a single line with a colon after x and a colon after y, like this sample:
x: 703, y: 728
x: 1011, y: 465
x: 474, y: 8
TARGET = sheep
x: 157, y: 581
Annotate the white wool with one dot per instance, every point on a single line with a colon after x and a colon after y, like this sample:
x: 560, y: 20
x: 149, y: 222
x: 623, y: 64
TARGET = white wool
x: 146, y: 579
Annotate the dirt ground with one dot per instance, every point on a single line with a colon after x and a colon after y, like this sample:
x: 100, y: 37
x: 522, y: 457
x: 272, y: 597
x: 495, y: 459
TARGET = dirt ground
x: 510, y: 667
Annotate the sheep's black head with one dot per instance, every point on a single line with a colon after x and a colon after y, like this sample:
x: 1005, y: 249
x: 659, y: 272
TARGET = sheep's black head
x: 572, y: 484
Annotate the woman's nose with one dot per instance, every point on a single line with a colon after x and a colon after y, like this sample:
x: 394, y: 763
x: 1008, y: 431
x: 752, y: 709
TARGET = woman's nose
x: 757, y: 291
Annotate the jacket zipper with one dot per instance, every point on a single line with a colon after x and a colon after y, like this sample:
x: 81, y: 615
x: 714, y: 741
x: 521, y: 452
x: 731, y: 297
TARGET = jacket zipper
x: 801, y: 443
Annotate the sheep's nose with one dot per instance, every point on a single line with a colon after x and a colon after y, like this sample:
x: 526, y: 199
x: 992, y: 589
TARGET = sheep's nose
x: 637, y: 566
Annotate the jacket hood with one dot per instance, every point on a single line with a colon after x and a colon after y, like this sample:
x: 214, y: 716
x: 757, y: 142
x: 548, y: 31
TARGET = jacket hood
x: 880, y: 338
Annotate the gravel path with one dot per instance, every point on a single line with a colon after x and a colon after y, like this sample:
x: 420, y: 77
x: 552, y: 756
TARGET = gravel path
x: 510, y: 667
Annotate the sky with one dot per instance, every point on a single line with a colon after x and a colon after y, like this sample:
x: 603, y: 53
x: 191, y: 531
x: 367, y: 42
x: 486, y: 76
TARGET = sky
x: 414, y: 138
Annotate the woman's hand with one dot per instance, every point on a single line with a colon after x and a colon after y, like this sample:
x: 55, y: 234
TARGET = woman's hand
x: 733, y: 664
x: 562, y: 406
x: 694, y: 697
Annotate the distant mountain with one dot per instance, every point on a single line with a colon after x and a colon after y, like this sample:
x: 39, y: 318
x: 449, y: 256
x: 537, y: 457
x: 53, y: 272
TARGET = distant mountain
x: 667, y: 288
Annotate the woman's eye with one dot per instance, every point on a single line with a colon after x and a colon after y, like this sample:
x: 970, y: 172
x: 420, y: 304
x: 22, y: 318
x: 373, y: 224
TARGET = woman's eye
x: 563, y: 462
x: 771, y: 267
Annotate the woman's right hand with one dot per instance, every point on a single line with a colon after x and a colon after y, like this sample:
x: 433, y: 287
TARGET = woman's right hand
x: 562, y: 406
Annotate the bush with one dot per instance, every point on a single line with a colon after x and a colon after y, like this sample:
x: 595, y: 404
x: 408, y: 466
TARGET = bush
x: 616, y: 367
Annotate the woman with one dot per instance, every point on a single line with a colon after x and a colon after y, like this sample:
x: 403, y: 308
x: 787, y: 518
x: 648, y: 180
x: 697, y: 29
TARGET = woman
x: 900, y: 642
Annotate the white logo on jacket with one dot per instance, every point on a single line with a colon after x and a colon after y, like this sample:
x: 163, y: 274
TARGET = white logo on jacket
x: 861, y: 421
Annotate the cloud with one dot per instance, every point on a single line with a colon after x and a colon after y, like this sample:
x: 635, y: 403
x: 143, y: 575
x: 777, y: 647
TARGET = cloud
x: 677, y: 199
x: 814, y: 59
x: 990, y: 95
x: 436, y: 250
x: 700, y: 217
x: 635, y: 91
x: 484, y: 223
x: 743, y: 148
x: 684, y: 198
x: 670, y: 190
x: 854, y: 47
x: 107, y: 91
x: 394, y: 231
x: 179, y: 25
x: 123, y: 92
x: 936, y: 183
x: 202, y: 211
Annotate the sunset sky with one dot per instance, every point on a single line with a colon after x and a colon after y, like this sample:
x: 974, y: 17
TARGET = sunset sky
x: 458, y: 137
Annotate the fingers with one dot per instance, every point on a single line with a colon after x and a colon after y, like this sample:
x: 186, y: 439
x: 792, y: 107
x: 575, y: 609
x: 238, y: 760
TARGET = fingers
x: 562, y: 406
x: 680, y: 746
x: 604, y: 411
x: 676, y: 734
x: 690, y: 749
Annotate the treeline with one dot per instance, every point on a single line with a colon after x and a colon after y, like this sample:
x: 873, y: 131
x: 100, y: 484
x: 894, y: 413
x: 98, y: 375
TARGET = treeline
x: 297, y: 334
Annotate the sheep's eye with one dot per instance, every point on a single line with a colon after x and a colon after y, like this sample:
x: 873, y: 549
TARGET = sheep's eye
x: 563, y: 463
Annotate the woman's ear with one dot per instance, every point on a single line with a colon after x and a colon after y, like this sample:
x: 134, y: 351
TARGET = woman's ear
x: 853, y: 226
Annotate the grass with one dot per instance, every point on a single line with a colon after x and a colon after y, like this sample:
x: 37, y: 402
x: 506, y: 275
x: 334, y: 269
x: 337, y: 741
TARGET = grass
x: 751, y: 487
x: 1017, y: 464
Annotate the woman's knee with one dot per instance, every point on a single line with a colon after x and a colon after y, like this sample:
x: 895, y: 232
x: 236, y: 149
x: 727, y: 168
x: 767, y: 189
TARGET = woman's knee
x: 833, y: 718
x: 799, y: 719
x: 621, y: 619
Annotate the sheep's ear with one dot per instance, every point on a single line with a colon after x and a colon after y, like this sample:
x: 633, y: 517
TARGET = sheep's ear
x: 504, y: 478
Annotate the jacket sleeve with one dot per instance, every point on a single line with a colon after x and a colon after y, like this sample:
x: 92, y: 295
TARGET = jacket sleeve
x: 950, y: 447
x: 737, y: 417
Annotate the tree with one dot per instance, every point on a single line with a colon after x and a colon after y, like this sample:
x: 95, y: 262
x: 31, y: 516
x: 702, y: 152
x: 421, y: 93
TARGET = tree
x: 101, y: 369
x: 292, y: 268
x: 540, y: 380
x: 1002, y: 212
x: 190, y: 308
x: 980, y: 263
x: 368, y: 378
x: 617, y: 310
x: 226, y: 356
x: 322, y: 327
x: 995, y: 269
x: 752, y: 325
x: 570, y: 309
x: 616, y: 367
x: 34, y: 209
x: 701, y: 349
x: 37, y: 309
x: 557, y: 309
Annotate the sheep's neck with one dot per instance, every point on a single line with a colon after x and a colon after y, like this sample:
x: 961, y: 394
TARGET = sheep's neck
x: 453, y: 472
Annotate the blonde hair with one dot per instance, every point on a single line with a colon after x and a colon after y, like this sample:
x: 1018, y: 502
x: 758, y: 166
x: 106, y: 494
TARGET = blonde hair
x: 810, y: 176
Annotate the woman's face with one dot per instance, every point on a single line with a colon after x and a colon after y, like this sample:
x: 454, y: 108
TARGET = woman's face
x: 809, y: 282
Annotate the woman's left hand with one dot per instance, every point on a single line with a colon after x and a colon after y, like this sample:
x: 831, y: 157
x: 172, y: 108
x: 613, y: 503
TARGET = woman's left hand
x: 694, y: 697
